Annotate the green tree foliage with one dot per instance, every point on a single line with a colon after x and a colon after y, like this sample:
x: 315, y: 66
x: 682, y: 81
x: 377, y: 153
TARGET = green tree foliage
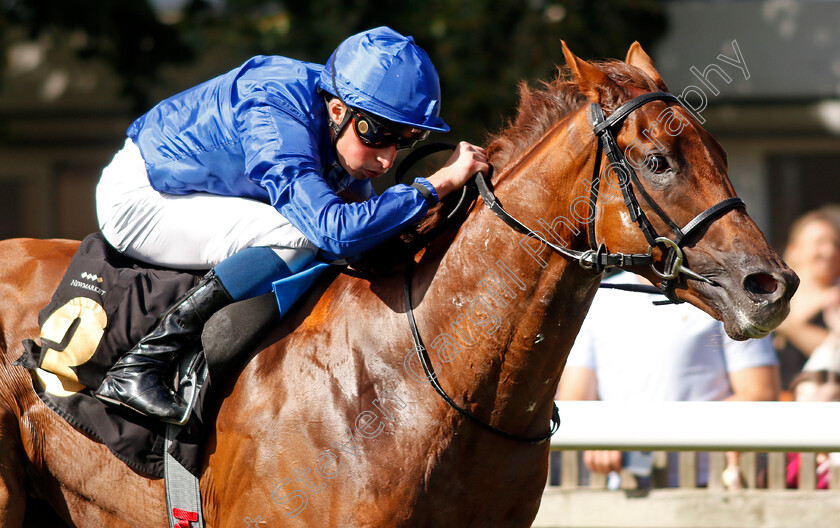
x: 482, y: 48
x: 126, y: 34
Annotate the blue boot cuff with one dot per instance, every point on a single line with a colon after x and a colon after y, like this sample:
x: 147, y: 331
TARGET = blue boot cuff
x: 250, y: 272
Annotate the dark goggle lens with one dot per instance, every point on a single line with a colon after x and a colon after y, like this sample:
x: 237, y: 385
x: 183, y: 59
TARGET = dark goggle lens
x: 375, y: 134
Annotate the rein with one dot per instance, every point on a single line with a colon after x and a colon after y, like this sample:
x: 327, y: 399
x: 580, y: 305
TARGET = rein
x: 467, y: 197
x: 423, y: 354
x: 605, y: 129
x: 597, y: 258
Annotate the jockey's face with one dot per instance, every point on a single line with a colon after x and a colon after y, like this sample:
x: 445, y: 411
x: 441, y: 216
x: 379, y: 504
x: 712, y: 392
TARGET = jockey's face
x: 359, y: 160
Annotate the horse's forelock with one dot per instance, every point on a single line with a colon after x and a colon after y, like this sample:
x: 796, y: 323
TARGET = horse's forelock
x: 540, y: 109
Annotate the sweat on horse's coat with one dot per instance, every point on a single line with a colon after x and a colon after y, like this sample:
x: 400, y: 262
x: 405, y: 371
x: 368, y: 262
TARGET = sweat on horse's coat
x: 344, y: 346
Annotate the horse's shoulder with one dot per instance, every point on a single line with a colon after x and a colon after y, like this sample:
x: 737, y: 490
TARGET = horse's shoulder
x: 334, y: 305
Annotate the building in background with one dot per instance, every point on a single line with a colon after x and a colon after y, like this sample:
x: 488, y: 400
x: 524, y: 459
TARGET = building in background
x: 781, y: 126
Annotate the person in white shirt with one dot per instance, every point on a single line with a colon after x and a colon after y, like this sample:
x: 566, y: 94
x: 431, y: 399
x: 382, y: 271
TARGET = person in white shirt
x: 629, y: 349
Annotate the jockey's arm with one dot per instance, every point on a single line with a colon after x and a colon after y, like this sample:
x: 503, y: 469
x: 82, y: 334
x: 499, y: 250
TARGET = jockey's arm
x: 465, y: 161
x: 289, y: 167
x: 292, y: 175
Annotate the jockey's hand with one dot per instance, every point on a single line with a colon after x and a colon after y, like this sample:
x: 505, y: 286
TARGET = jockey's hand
x: 464, y: 162
x: 602, y: 461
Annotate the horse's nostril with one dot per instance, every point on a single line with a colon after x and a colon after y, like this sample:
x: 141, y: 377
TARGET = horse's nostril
x: 761, y: 283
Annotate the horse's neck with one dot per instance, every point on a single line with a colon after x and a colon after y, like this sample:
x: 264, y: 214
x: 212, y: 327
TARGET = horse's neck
x: 500, y: 315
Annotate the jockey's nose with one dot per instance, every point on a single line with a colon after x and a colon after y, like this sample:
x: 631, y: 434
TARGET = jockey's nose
x: 386, y: 156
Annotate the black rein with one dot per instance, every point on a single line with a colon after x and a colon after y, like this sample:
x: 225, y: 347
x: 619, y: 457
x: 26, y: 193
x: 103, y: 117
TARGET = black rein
x: 597, y: 258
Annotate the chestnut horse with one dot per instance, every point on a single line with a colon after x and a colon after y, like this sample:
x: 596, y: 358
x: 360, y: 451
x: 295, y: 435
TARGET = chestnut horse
x: 332, y: 422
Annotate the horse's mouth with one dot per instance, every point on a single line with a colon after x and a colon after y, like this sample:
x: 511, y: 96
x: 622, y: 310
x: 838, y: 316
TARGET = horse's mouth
x: 753, y: 331
x: 751, y: 299
x: 750, y: 314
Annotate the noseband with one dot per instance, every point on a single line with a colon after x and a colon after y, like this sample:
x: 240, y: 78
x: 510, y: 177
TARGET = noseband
x: 597, y: 258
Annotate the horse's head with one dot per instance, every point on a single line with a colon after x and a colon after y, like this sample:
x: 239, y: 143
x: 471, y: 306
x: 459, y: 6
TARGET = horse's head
x: 663, y: 160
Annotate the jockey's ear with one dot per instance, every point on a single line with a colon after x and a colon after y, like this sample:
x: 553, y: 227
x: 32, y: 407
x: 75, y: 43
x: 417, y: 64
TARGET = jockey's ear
x: 637, y: 57
x: 335, y: 110
x: 592, y: 81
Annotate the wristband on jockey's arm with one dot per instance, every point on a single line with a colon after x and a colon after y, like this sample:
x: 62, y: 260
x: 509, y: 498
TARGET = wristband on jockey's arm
x: 428, y: 195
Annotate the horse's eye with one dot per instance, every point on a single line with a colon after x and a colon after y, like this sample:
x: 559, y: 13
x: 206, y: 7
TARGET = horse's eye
x: 657, y: 164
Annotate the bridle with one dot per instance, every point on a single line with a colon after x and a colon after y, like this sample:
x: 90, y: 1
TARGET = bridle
x: 604, y: 129
x: 597, y: 258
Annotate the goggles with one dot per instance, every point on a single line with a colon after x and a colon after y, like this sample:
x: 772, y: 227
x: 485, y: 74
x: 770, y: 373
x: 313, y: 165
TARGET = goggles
x: 380, y: 133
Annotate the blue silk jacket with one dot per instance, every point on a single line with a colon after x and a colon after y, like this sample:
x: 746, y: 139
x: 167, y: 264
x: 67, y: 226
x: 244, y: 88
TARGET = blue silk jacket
x: 260, y: 131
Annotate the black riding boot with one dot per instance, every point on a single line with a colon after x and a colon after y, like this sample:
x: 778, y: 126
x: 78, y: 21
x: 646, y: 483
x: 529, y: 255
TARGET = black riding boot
x: 136, y: 380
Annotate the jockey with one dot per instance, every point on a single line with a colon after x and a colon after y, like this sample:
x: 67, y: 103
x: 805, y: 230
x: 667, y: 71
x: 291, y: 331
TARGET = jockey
x: 257, y: 172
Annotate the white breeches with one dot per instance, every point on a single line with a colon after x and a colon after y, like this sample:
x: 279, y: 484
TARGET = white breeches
x: 192, y: 231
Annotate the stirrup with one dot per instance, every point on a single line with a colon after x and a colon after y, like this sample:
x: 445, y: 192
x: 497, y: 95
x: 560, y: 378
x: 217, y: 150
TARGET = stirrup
x: 188, y: 387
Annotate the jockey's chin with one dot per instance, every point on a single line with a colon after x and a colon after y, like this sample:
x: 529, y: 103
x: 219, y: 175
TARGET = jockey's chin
x: 368, y: 174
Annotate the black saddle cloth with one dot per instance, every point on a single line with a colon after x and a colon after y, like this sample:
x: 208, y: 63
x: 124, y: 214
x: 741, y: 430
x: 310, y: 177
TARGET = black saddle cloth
x: 132, y: 295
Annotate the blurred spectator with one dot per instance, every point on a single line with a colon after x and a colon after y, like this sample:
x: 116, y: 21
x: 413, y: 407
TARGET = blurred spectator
x: 819, y: 381
x: 630, y: 350
x: 813, y: 251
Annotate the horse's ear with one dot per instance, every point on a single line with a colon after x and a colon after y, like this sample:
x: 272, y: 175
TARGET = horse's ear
x: 592, y: 82
x: 637, y: 57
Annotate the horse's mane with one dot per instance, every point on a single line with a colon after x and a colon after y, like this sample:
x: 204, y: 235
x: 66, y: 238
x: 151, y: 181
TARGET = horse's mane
x: 537, y: 112
x: 540, y: 109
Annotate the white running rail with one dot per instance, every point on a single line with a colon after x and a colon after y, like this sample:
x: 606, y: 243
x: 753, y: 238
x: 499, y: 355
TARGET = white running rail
x: 699, y: 426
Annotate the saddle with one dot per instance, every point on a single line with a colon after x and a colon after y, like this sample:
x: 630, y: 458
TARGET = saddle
x: 105, y: 304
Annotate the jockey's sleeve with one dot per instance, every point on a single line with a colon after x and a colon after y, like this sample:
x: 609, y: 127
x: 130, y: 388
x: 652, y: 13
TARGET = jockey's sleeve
x: 363, y: 188
x: 347, y: 229
x: 282, y: 154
